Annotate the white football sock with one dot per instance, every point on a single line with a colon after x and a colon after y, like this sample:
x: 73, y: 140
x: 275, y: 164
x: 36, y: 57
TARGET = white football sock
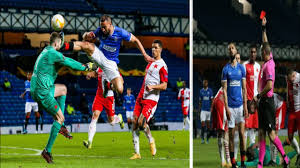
x: 252, y: 136
x: 247, y: 131
x: 187, y: 120
x: 273, y: 151
x: 221, y: 148
x: 136, y: 141
x: 295, y: 145
x: 116, y: 120
x: 236, y: 144
x: 92, y: 130
x: 226, y: 145
x: 148, y: 134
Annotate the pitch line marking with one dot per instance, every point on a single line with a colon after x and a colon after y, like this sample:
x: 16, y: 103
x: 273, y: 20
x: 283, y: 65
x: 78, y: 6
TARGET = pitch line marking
x: 38, y: 152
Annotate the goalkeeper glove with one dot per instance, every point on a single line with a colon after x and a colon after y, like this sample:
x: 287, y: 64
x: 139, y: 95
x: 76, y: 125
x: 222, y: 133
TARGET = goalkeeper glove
x: 90, y: 66
x: 62, y: 36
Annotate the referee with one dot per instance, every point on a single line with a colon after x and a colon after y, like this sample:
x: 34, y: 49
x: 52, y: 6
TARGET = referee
x: 266, y: 107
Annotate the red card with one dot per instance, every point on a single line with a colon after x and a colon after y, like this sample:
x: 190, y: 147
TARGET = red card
x: 262, y: 14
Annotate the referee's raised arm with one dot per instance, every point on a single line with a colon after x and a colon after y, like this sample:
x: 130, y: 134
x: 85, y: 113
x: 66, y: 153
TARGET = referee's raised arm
x: 264, y: 30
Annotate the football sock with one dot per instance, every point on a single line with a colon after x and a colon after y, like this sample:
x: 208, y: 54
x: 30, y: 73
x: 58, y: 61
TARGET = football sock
x: 92, y: 130
x: 279, y: 146
x: 252, y: 136
x: 53, y: 134
x: 36, y: 123
x: 247, y: 131
x: 273, y: 152
x: 221, y: 148
x: 116, y: 120
x: 148, y: 133
x: 236, y: 145
x: 203, y: 130
x: 186, y: 121
x: 232, y: 159
x: 136, y: 141
x: 226, y: 145
x: 243, y: 157
x: 262, y: 151
x: 42, y: 124
x: 295, y: 145
x: 26, y: 121
x: 129, y: 125
x: 61, y: 100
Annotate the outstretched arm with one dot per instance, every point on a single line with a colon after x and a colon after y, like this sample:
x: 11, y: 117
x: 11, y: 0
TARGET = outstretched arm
x: 139, y: 45
x: 264, y: 31
x: 69, y: 62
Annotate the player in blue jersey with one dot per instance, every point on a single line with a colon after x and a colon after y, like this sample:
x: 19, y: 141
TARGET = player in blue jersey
x: 30, y: 105
x: 128, y: 105
x: 235, y: 96
x: 205, y: 101
x: 107, y: 56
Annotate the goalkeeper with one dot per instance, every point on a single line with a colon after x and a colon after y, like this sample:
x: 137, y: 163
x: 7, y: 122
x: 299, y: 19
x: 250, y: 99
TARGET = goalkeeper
x: 44, y: 91
x: 252, y: 156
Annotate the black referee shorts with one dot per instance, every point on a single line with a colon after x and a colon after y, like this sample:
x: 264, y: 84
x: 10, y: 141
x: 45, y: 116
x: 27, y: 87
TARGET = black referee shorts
x: 266, y: 114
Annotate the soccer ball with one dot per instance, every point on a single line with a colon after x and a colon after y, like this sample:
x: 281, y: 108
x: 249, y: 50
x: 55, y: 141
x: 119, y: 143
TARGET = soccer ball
x: 58, y: 22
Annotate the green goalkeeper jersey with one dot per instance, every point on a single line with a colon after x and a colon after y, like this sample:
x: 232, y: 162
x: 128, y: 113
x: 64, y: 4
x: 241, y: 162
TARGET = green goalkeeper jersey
x: 47, y: 65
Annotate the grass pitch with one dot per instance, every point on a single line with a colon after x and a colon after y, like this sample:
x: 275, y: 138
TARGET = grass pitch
x: 207, y: 155
x: 109, y: 150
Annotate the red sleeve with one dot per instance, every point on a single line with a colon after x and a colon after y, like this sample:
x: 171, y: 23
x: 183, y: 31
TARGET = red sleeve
x: 163, y: 75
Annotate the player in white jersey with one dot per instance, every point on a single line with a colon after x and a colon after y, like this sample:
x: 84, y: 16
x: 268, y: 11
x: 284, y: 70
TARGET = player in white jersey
x: 252, y: 73
x: 184, y: 96
x: 100, y: 102
x: 156, y: 79
x: 220, y: 124
x: 293, y: 102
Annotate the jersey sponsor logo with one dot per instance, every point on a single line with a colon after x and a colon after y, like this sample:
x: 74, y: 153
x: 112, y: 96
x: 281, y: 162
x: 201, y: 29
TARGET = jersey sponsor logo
x: 109, y: 48
x: 115, y: 39
x: 205, y: 98
x: 235, y: 83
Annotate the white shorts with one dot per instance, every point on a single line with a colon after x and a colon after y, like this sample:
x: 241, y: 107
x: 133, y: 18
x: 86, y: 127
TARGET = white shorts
x: 109, y: 67
x: 205, y: 116
x: 236, y: 116
x: 31, y: 106
x: 129, y: 115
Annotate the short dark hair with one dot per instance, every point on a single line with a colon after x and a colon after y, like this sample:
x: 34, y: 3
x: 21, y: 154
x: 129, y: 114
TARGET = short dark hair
x: 54, y: 36
x: 128, y: 88
x: 266, y: 47
x: 253, y: 46
x: 105, y: 18
x: 159, y: 43
x: 290, y: 71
